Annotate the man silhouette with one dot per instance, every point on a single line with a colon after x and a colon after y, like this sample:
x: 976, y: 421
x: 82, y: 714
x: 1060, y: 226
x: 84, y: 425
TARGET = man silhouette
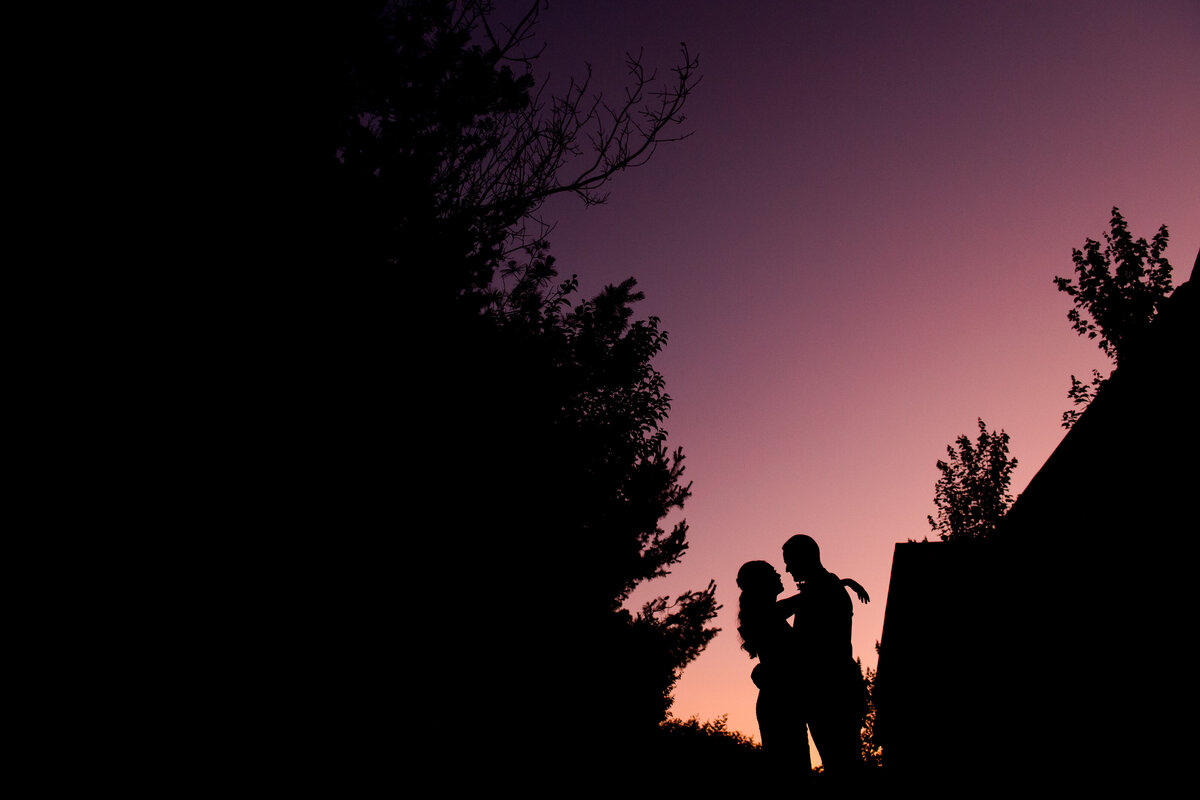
x: 832, y: 685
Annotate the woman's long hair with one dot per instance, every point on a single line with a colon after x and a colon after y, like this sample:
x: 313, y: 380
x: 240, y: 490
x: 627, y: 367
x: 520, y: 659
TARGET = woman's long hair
x: 756, y: 580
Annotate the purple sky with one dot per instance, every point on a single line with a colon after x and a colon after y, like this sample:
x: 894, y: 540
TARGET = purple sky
x: 854, y: 253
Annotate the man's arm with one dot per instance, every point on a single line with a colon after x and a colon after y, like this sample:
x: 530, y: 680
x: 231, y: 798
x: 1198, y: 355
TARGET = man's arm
x: 858, y: 589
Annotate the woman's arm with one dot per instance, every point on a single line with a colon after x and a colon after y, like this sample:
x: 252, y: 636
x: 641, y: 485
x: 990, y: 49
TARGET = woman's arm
x: 787, y: 606
x: 858, y: 589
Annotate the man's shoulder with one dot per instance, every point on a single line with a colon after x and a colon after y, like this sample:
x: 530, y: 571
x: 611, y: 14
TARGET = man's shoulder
x: 827, y: 582
x: 828, y: 589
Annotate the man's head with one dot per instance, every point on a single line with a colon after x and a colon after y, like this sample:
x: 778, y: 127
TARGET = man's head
x: 801, y: 556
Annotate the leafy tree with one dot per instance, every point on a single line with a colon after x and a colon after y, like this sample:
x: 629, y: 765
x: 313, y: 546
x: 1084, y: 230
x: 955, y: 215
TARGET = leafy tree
x: 442, y: 149
x: 710, y: 740
x: 972, y: 493
x: 582, y: 410
x: 872, y: 751
x: 534, y: 418
x: 1119, y: 290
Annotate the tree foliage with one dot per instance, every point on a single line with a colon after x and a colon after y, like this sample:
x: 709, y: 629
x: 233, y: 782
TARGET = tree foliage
x: 576, y: 467
x: 971, y: 494
x: 1118, y: 289
x: 585, y: 379
x: 715, y: 731
x: 871, y: 749
x: 444, y: 147
x: 534, y: 418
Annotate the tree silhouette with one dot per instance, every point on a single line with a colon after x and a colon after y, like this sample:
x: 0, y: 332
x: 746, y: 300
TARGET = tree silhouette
x: 534, y: 419
x: 972, y: 493
x: 1120, y: 289
x: 582, y: 412
x: 872, y: 750
x: 443, y: 149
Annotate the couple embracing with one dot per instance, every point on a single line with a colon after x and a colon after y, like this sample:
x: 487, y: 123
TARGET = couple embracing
x: 806, y: 675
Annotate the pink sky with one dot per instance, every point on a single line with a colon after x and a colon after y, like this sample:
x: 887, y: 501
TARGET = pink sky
x: 854, y: 253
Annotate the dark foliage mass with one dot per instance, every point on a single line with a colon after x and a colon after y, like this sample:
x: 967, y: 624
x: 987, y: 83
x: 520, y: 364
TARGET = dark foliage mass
x: 1118, y: 289
x: 522, y: 424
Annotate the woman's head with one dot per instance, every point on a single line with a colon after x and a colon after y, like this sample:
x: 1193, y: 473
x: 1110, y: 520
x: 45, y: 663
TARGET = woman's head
x: 758, y: 578
x: 760, y: 585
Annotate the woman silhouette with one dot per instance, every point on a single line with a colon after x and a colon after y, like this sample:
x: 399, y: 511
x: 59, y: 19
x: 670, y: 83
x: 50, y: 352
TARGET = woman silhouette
x: 780, y: 672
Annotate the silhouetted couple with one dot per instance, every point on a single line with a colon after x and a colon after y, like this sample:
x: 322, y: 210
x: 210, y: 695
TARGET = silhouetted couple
x: 806, y: 673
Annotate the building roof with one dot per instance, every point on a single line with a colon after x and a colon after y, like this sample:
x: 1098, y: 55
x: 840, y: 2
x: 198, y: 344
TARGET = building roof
x: 1052, y: 643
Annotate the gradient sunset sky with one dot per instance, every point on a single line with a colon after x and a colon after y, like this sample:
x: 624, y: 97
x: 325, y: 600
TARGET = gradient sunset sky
x: 854, y: 253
